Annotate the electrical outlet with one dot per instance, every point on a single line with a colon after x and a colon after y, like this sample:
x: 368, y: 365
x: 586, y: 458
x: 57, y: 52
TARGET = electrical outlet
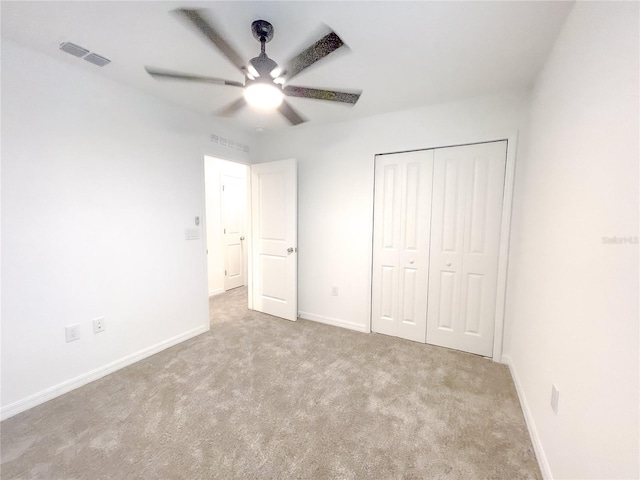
x: 99, y: 325
x: 73, y: 333
x: 334, y: 291
x: 555, y: 395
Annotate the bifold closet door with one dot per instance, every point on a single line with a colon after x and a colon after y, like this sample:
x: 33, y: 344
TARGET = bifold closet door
x: 402, y: 209
x: 468, y: 188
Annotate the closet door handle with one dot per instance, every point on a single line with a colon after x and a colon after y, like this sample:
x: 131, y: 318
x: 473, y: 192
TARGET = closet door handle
x: 448, y: 264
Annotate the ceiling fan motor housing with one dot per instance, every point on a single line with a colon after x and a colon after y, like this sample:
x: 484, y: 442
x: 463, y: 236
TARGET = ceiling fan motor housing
x: 263, y: 65
x: 262, y: 31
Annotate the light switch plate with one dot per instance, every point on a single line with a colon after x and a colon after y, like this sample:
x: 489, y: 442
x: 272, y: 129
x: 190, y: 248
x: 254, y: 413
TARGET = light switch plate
x: 192, y: 233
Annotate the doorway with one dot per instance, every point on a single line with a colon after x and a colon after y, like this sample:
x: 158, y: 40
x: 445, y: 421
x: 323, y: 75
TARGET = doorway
x: 226, y: 193
x: 251, y: 229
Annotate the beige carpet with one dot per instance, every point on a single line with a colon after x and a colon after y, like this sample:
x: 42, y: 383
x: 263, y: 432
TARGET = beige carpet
x: 260, y: 397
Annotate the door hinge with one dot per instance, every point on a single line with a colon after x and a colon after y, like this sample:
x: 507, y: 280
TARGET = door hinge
x: 223, y: 188
x: 225, y: 273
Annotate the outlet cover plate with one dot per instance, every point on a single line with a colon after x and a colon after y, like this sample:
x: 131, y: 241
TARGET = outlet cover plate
x: 72, y: 332
x: 99, y: 325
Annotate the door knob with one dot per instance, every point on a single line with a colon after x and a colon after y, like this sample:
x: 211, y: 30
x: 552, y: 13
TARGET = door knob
x: 411, y: 262
x: 241, y: 238
x: 290, y: 250
x: 448, y: 264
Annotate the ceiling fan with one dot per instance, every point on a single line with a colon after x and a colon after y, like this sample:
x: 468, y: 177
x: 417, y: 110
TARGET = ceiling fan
x: 265, y: 83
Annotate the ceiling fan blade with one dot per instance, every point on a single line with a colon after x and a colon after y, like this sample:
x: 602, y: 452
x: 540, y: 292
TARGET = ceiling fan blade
x: 171, y: 75
x: 315, y: 93
x: 232, y: 108
x: 209, y: 31
x: 323, y: 47
x: 290, y: 114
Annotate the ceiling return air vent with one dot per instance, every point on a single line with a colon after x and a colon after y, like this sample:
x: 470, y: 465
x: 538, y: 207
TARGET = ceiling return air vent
x: 226, y: 142
x: 97, y: 59
x: 73, y: 49
x: 80, y: 52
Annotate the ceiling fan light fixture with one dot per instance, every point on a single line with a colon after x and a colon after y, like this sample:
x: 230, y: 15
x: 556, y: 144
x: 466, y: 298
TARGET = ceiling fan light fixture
x: 265, y: 83
x: 264, y: 96
x: 276, y: 72
x: 253, y: 72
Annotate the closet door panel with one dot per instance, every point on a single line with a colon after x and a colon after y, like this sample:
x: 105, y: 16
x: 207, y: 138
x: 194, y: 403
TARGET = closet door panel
x: 414, y: 240
x: 447, y: 243
x: 402, y: 209
x: 388, y: 184
x: 465, y: 241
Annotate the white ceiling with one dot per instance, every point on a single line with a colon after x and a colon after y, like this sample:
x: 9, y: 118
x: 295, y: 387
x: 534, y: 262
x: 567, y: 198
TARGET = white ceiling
x: 401, y: 54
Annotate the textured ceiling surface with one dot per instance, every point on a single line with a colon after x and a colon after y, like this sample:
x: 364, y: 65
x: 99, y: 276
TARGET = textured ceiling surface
x: 400, y: 54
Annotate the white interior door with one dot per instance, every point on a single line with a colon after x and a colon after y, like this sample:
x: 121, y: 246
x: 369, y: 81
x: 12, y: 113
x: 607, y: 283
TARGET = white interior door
x: 274, y: 266
x: 468, y: 188
x: 233, y: 218
x: 402, y: 209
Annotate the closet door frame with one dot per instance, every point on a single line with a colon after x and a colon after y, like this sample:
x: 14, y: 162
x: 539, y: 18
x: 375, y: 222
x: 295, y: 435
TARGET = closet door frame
x: 505, y: 230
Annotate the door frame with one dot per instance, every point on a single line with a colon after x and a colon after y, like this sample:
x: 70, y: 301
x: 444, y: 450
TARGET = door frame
x: 505, y: 234
x: 248, y: 229
x: 218, y: 233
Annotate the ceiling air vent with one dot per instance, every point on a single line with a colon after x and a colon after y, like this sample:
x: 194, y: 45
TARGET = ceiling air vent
x: 78, y: 51
x: 73, y: 49
x: 97, y: 59
x: 225, y: 142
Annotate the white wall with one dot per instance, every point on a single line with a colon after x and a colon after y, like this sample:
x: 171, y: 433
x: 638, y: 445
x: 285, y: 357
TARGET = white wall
x: 99, y: 182
x: 572, y: 300
x: 335, y: 190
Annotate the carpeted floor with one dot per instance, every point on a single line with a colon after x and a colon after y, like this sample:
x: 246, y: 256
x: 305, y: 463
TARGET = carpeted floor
x: 260, y: 397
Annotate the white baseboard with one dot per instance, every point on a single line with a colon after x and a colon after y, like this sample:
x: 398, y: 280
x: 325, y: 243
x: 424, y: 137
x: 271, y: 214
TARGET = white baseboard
x: 73, y: 383
x: 533, y: 432
x: 334, y: 321
x: 213, y: 293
